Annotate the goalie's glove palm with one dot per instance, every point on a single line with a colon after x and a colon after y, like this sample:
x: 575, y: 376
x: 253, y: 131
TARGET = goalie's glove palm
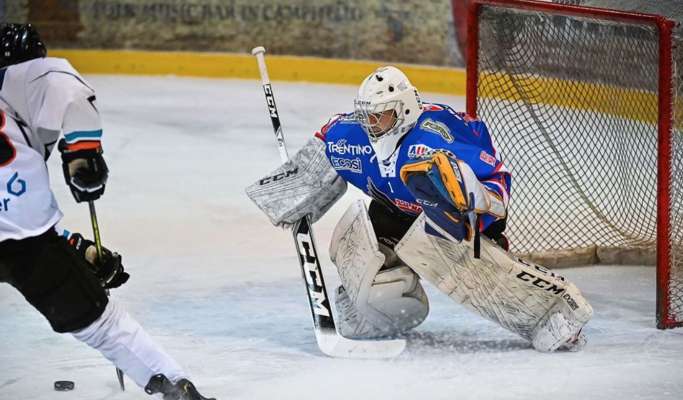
x: 107, y: 269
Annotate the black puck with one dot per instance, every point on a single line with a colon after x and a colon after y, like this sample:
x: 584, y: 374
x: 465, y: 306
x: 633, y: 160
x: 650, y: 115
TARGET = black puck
x: 64, y: 386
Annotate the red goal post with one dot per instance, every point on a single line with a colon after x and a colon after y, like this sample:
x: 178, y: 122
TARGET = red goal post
x: 587, y: 111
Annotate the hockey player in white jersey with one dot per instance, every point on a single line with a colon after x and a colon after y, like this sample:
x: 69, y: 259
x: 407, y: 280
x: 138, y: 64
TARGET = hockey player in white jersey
x: 439, y: 193
x: 42, y: 99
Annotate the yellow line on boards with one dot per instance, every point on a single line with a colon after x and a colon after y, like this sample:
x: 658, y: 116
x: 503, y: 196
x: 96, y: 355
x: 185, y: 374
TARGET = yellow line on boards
x: 627, y: 103
x: 575, y: 95
x: 243, y: 66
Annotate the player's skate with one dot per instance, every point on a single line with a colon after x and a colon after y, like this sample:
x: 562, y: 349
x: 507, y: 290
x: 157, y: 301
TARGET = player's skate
x: 181, y: 390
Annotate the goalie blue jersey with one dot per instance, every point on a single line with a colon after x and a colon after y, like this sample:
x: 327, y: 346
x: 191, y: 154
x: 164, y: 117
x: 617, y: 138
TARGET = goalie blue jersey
x: 438, y: 128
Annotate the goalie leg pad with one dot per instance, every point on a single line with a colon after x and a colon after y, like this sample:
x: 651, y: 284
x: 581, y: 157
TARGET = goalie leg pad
x: 305, y: 185
x: 562, y: 325
x: 520, y: 296
x: 397, y: 303
x: 372, y: 303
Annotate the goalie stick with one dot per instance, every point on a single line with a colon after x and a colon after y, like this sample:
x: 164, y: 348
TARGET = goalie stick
x: 329, y: 340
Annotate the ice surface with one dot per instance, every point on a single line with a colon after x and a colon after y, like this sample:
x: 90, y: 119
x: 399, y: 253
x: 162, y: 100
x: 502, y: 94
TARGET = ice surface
x: 220, y: 288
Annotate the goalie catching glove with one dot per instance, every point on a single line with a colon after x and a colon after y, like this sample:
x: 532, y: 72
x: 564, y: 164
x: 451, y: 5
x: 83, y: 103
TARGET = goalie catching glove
x: 450, y: 193
x: 108, y: 269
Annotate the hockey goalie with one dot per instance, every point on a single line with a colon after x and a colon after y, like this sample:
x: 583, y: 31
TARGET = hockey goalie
x: 439, y: 195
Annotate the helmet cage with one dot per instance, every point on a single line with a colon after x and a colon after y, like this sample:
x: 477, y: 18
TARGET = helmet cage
x: 369, y: 117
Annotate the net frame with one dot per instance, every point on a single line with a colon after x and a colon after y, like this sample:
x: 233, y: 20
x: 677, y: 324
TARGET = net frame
x: 665, y: 28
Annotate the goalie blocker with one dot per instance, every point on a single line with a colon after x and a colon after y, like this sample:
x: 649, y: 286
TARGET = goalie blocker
x: 304, y: 185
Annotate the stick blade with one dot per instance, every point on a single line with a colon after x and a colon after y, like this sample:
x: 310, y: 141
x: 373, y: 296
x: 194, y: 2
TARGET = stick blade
x: 334, y: 345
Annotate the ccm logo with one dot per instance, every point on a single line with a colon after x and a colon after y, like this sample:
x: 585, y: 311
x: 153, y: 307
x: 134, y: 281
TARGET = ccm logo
x: 548, y: 287
x: 270, y: 100
x: 279, y: 176
x: 543, y: 270
x: 313, y: 282
x: 539, y: 282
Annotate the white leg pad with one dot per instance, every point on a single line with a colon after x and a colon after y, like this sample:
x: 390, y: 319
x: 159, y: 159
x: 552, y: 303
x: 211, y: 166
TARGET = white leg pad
x: 396, y: 305
x: 562, y: 323
x: 122, y: 341
x: 372, y: 303
x: 522, y: 297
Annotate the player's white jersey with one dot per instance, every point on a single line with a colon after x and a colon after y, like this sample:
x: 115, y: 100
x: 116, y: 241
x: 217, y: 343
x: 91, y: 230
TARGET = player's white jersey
x: 39, y: 99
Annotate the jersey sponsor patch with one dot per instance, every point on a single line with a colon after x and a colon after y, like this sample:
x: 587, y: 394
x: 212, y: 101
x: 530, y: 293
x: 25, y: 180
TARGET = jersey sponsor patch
x: 342, y: 147
x: 4, y: 204
x: 437, y: 127
x: 487, y: 158
x: 408, y: 206
x: 424, y: 151
x: 16, y: 186
x: 347, y: 164
x: 419, y: 151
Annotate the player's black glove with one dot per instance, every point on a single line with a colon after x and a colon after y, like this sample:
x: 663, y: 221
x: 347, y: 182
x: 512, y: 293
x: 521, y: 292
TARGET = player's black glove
x: 108, y: 269
x: 84, y: 169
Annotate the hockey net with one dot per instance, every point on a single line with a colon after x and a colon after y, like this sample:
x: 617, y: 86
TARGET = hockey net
x: 586, y: 106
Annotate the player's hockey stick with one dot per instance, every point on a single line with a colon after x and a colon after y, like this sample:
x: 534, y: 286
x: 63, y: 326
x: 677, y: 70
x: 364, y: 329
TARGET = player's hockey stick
x: 329, y: 340
x: 98, y: 246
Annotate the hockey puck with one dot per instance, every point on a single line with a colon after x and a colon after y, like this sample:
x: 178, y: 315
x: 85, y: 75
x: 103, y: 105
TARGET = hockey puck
x: 64, y: 386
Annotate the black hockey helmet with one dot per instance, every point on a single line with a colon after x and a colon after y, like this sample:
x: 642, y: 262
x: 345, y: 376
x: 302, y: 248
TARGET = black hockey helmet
x: 19, y: 43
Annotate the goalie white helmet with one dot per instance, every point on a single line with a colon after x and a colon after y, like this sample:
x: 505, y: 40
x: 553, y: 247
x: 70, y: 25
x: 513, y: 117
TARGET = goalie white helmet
x: 387, y: 107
